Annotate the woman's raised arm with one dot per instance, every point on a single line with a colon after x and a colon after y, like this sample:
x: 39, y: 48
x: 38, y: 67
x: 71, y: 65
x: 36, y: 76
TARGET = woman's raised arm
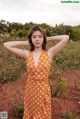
x: 62, y: 42
x: 12, y: 47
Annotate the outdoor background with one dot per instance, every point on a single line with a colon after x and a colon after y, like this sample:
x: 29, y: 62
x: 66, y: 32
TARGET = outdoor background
x: 16, y: 18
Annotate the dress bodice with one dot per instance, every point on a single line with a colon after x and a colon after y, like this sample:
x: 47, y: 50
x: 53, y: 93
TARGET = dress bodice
x: 41, y: 71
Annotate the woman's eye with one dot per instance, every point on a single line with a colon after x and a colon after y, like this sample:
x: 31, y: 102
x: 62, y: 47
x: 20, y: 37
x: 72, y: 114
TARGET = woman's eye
x: 40, y: 36
x: 33, y: 36
x: 36, y: 36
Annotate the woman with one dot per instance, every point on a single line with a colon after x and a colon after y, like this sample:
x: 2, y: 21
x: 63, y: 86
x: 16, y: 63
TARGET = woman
x: 37, y: 95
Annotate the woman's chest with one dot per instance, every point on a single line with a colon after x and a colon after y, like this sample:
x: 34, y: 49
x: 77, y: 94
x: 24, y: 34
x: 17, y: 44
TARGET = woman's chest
x: 40, y: 60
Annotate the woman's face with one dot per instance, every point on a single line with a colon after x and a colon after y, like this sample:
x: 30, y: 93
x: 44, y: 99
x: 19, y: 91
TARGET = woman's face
x: 37, y: 39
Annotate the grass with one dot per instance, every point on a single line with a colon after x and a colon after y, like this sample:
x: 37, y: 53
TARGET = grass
x: 59, y: 88
x: 69, y: 58
x: 11, y: 66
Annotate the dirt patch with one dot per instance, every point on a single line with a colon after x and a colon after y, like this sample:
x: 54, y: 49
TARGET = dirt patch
x: 12, y: 93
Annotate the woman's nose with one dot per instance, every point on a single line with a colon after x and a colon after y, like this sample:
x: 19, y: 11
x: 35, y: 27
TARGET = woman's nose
x: 37, y: 39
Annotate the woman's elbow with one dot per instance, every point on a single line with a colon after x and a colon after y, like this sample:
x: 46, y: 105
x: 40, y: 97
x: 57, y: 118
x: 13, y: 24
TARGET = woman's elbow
x: 67, y: 37
x: 5, y: 44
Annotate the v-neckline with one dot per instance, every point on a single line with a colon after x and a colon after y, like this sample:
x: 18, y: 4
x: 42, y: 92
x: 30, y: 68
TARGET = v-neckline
x: 38, y: 59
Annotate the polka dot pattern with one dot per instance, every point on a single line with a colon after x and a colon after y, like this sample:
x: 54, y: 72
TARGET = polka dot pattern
x: 37, y: 95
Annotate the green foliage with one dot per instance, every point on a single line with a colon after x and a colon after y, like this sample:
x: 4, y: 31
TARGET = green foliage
x: 60, y: 29
x: 21, y: 33
x: 70, y: 57
x: 12, y: 67
x: 58, y: 90
x: 76, y: 33
x: 19, y: 110
x: 13, y: 32
x: 68, y: 115
x: 21, y: 30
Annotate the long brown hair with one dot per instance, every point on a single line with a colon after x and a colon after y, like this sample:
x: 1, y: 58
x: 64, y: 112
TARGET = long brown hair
x: 35, y: 28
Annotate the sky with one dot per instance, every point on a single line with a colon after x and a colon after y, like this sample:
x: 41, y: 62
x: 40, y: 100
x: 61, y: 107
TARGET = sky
x: 51, y: 12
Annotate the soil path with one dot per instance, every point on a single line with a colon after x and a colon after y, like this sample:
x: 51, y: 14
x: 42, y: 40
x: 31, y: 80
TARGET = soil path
x: 12, y: 93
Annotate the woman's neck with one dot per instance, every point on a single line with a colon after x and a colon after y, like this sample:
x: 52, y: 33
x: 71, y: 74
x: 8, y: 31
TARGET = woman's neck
x: 38, y: 50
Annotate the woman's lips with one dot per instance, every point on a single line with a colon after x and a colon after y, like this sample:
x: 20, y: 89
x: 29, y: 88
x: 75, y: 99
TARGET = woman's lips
x: 37, y: 43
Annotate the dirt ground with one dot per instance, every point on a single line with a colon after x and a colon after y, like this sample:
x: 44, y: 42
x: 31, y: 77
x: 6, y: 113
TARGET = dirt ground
x: 12, y: 93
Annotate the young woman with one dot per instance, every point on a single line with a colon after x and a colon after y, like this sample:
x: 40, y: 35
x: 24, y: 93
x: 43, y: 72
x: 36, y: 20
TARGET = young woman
x: 37, y: 95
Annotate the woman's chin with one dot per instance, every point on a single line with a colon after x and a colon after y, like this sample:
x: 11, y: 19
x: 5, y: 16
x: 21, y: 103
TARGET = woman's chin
x: 37, y: 46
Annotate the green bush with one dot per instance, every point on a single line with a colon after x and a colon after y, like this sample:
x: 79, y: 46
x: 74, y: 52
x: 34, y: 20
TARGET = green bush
x: 68, y: 115
x: 12, y: 67
x: 59, y: 88
x: 69, y: 57
x: 19, y: 110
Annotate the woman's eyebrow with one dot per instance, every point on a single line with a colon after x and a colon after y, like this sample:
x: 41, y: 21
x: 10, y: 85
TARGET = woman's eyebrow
x: 36, y: 35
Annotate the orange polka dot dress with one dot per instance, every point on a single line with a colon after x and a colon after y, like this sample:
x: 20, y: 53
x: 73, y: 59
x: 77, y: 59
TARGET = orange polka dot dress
x: 37, y: 95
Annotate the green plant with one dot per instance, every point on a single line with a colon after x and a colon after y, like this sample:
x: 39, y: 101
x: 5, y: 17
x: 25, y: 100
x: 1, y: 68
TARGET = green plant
x: 58, y: 90
x: 11, y: 67
x: 68, y: 115
x: 19, y: 112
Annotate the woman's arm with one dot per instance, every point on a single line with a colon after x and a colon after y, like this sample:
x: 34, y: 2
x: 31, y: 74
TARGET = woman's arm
x: 57, y: 38
x: 62, y: 42
x: 12, y: 47
x: 15, y: 43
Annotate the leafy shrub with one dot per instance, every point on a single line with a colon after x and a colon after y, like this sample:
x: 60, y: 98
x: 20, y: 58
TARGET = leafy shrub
x: 59, y: 88
x: 19, y: 112
x: 68, y: 115
x: 12, y: 67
